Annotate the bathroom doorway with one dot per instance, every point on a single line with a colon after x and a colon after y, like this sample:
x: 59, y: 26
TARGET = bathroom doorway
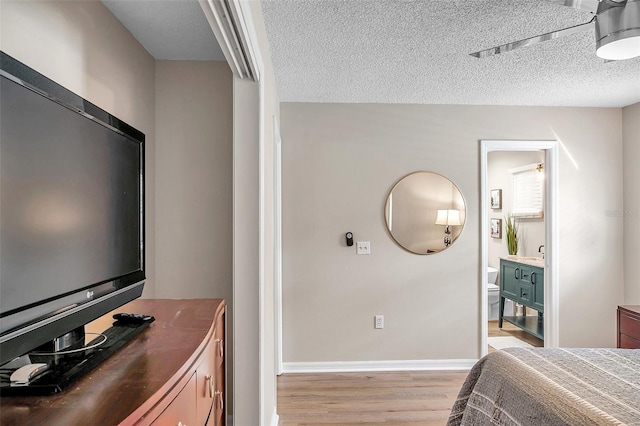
x: 496, y: 205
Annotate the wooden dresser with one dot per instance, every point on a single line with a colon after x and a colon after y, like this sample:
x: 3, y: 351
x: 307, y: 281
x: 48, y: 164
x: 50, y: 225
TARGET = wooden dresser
x: 172, y: 373
x: 629, y: 327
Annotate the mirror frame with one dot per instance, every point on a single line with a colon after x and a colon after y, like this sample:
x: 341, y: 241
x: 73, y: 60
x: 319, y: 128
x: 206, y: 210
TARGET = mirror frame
x: 457, y: 234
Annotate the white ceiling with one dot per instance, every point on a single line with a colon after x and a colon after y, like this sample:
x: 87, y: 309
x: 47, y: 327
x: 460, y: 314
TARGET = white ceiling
x: 405, y: 51
x: 168, y: 29
x: 416, y: 51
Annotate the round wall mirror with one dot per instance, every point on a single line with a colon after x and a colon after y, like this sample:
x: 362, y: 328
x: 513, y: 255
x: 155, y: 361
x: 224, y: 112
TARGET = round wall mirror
x: 425, y: 213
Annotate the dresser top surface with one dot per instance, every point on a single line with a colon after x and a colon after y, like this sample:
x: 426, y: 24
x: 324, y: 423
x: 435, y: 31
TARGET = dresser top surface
x: 631, y: 308
x: 131, y: 376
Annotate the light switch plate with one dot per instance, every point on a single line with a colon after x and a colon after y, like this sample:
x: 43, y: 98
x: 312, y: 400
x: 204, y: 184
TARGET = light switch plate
x: 379, y: 321
x: 363, y: 247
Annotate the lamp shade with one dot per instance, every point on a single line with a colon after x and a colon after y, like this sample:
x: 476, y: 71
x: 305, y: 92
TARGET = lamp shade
x: 448, y: 217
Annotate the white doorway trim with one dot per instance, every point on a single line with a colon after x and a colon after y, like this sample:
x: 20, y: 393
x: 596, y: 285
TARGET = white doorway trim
x: 277, y: 237
x: 551, y: 293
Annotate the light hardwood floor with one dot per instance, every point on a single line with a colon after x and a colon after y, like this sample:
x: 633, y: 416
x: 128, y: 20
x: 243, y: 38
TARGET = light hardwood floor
x: 512, y: 330
x: 393, y: 398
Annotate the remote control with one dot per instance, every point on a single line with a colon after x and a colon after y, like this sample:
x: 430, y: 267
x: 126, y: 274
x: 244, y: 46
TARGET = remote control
x: 132, y: 318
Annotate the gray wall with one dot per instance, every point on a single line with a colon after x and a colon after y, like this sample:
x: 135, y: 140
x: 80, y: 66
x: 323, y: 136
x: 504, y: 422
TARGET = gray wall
x: 246, y: 250
x: 193, y: 179
x: 341, y: 160
x: 631, y: 152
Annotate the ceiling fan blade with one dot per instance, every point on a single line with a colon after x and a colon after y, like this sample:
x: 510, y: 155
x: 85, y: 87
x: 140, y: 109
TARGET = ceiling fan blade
x: 590, y: 5
x: 537, y: 39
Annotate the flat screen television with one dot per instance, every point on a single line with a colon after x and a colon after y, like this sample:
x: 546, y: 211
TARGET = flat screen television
x: 71, y: 211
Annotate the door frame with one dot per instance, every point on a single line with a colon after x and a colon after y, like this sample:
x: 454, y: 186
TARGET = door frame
x: 277, y: 250
x: 551, y: 293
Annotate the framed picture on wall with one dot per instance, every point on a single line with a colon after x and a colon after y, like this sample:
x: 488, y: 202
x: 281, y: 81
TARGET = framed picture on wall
x: 496, y: 228
x: 496, y: 198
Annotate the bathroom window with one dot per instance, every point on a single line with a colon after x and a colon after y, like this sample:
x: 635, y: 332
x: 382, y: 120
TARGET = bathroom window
x: 528, y: 191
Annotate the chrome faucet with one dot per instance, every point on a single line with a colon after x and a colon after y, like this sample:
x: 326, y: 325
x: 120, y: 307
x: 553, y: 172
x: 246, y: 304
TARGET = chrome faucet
x: 541, y: 250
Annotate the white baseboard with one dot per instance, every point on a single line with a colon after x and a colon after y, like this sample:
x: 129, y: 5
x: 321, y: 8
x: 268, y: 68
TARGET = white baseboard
x: 275, y: 418
x: 356, y: 366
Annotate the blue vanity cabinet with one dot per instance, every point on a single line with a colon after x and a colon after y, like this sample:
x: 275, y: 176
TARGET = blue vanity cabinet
x: 522, y: 283
x: 537, y: 279
x: 526, y: 288
x: 508, y: 280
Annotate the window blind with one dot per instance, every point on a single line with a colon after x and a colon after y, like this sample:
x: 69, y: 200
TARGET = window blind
x: 528, y: 192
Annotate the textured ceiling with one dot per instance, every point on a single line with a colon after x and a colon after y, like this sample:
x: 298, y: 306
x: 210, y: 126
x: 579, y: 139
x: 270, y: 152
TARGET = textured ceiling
x: 168, y: 29
x: 416, y: 51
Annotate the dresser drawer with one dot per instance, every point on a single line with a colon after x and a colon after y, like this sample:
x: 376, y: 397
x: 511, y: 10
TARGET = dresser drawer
x: 627, y: 342
x: 526, y: 294
x: 182, y: 410
x: 630, y: 325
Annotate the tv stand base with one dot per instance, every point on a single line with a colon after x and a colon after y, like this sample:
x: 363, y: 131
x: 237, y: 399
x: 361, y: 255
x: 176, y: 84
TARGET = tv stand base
x: 64, y: 369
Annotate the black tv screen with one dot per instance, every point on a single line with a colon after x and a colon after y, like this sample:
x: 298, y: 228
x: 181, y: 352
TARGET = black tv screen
x: 71, y: 211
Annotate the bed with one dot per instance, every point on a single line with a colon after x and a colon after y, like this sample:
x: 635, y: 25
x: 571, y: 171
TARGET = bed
x: 535, y: 386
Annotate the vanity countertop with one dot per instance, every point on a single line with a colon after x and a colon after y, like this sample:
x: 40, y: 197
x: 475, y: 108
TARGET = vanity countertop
x: 531, y: 261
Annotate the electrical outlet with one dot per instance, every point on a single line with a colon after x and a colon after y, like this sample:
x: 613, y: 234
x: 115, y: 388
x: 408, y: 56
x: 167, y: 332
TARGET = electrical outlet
x: 379, y: 321
x: 363, y: 247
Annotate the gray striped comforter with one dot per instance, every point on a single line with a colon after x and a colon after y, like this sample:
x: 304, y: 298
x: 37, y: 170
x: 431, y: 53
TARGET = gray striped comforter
x: 534, y: 386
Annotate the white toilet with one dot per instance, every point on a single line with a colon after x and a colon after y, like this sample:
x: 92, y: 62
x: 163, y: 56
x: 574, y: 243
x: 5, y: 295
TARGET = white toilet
x: 493, y: 293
